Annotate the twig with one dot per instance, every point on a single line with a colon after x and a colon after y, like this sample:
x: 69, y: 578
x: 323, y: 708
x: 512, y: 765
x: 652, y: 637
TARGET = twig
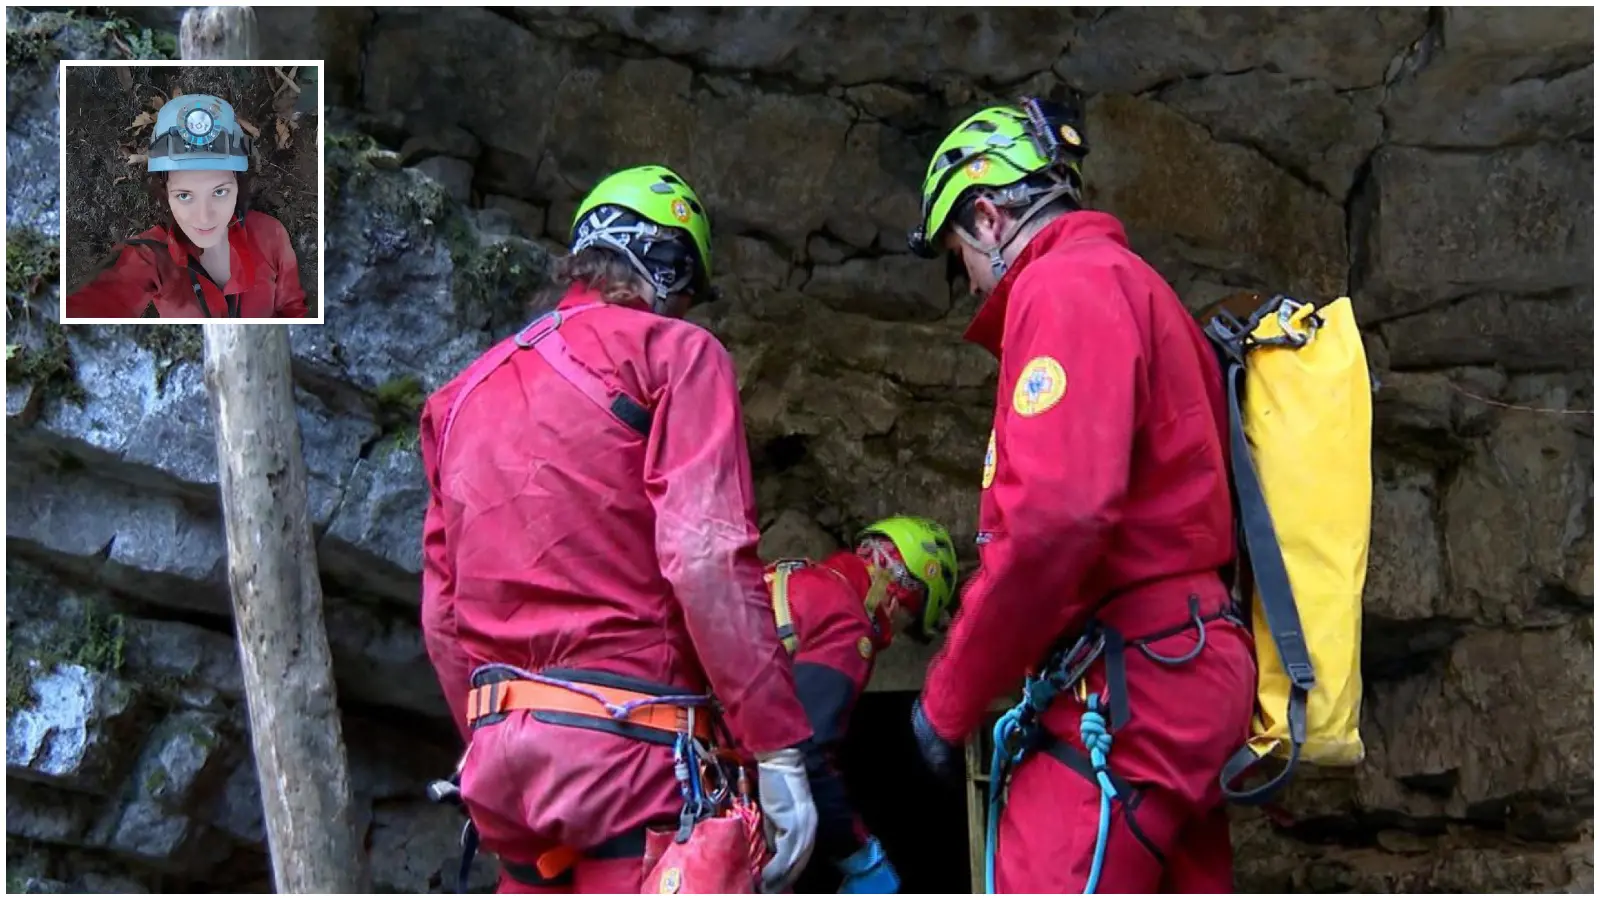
x: 1533, y: 409
x: 287, y: 82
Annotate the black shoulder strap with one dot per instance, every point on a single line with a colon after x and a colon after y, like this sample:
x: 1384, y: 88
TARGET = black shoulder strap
x: 1277, y: 596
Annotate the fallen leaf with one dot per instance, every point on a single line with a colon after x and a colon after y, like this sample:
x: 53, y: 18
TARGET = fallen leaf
x: 142, y: 120
x: 177, y: 92
x: 125, y: 78
x: 120, y: 179
x: 249, y: 129
x: 135, y: 159
x: 157, y: 101
x: 283, y: 135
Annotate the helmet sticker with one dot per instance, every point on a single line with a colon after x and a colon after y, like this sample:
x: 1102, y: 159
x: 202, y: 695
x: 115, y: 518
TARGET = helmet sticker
x: 988, y: 463
x: 977, y: 167
x: 680, y: 210
x: 1041, y: 385
x: 931, y: 570
x: 1071, y: 136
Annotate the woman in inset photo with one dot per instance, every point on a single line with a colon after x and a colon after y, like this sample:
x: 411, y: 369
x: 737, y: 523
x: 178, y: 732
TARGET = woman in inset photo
x: 210, y: 255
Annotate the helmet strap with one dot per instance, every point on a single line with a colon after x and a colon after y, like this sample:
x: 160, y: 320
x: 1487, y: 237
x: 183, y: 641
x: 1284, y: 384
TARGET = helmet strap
x: 996, y: 252
x: 604, y: 230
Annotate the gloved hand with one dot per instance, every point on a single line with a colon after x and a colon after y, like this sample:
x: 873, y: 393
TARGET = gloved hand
x: 867, y: 871
x: 944, y: 758
x: 790, y: 816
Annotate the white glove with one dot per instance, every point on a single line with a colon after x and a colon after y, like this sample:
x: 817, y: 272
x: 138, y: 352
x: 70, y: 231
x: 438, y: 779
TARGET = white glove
x: 790, y: 816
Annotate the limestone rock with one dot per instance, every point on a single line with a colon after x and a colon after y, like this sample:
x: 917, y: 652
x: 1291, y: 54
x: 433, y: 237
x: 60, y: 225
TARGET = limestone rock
x: 794, y: 535
x: 525, y: 69
x: 1405, y: 563
x: 895, y: 288
x: 1303, y: 125
x: 529, y: 219
x: 453, y: 175
x: 852, y: 46
x: 1514, y: 516
x: 1163, y: 177
x: 450, y: 140
x: 1500, y: 79
x: 376, y: 536
x: 1438, y: 744
x: 421, y: 840
x: 1517, y: 333
x: 1132, y: 49
x: 1446, y: 225
x: 71, y: 730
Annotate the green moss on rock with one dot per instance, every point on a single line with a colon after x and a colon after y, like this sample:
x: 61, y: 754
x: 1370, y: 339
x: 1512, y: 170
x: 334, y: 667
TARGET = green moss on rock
x: 93, y: 639
x: 32, y: 266
x: 171, y: 345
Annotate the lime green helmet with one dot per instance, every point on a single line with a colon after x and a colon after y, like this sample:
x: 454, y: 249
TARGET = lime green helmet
x: 930, y: 558
x: 644, y: 212
x: 1032, y: 152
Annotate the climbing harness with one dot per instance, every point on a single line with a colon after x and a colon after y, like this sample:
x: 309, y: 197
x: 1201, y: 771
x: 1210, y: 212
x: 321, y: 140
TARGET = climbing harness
x: 542, y: 335
x: 1020, y: 731
x: 688, y: 722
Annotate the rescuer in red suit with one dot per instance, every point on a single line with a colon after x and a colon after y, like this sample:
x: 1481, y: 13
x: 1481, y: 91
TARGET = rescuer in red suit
x: 1104, y: 513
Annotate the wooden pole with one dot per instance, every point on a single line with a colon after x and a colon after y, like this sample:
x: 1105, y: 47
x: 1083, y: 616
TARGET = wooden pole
x: 272, y: 572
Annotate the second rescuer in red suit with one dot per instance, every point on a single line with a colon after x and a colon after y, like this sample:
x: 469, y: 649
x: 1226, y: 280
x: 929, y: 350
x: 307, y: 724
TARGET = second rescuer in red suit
x: 570, y: 542
x: 1105, y: 495
x: 845, y: 610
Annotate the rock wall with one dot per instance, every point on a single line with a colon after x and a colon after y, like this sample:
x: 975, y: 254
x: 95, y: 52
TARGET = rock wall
x: 1434, y: 164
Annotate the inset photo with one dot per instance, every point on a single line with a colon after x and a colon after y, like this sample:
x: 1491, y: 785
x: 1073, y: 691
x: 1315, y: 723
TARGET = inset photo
x: 191, y: 192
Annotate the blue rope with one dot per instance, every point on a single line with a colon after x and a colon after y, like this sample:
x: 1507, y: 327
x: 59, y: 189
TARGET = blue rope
x: 1097, y: 740
x: 1013, y: 738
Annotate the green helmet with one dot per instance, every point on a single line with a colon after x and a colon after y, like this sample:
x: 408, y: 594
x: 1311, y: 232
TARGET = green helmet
x: 629, y: 209
x: 930, y: 558
x: 1000, y: 147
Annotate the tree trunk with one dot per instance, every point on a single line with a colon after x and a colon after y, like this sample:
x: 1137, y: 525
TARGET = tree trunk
x: 272, y: 572
x: 218, y: 32
x: 277, y: 610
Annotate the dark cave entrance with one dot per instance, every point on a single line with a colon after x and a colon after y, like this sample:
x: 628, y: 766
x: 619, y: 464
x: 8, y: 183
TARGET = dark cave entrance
x: 921, y: 821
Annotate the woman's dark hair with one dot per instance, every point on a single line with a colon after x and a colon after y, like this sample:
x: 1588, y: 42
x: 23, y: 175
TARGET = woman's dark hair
x: 605, y: 271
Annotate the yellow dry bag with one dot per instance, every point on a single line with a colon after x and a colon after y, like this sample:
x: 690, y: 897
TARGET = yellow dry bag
x: 1300, y: 451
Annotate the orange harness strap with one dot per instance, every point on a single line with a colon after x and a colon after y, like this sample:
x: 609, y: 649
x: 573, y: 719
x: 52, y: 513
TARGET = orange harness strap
x: 503, y: 696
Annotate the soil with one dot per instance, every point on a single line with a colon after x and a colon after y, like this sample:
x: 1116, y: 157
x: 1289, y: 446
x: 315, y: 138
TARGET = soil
x: 106, y: 199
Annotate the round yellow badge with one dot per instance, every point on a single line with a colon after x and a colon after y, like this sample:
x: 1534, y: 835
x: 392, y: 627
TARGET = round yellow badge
x: 1041, y: 385
x: 988, y: 463
x: 1071, y: 136
x: 977, y: 167
x: 671, y: 880
x: 680, y: 210
x: 864, y: 647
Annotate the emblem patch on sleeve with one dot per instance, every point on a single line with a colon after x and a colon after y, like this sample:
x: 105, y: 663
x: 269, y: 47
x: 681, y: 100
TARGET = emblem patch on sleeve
x: 988, y: 463
x: 864, y: 647
x: 1041, y: 385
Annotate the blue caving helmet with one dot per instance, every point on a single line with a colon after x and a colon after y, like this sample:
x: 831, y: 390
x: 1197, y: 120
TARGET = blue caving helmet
x: 198, y: 131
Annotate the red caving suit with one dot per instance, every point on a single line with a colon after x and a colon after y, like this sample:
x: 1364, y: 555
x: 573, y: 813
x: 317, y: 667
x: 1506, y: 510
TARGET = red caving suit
x: 1105, y: 494
x: 838, y: 642
x: 163, y: 269
x: 559, y: 536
